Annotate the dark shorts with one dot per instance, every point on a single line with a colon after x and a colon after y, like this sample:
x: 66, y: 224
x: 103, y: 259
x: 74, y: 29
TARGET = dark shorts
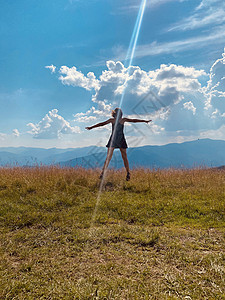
x: 117, y: 143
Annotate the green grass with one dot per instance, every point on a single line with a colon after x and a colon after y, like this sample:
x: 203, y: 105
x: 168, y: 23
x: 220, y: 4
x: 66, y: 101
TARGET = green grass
x: 159, y: 236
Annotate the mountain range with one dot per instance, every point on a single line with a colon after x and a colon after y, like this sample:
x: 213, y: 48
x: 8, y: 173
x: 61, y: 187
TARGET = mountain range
x: 202, y: 152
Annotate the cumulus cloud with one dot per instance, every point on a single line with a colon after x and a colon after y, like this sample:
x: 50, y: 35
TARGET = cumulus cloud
x: 16, y: 132
x: 51, y: 68
x: 162, y: 94
x: 167, y: 84
x: 190, y: 106
x: 70, y: 76
x: 52, y: 126
x: 93, y: 113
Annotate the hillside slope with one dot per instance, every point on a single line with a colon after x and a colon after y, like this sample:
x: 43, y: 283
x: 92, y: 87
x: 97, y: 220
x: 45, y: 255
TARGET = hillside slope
x: 158, y: 236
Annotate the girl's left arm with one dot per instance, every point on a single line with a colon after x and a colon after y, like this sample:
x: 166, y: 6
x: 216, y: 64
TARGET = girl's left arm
x: 136, y: 120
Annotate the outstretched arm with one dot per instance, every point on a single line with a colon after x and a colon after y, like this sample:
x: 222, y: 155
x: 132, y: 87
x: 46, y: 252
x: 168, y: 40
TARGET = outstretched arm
x: 99, y: 124
x: 136, y: 120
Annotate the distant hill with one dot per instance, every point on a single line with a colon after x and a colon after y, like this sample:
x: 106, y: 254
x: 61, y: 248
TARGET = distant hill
x: 203, y: 152
x: 34, y: 156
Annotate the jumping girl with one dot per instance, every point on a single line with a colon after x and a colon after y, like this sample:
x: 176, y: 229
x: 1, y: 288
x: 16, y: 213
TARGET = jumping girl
x: 117, y: 139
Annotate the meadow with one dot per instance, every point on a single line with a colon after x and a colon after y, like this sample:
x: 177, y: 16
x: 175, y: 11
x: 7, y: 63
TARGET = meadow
x: 158, y: 236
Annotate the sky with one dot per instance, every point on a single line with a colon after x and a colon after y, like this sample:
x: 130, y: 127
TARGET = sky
x: 63, y: 67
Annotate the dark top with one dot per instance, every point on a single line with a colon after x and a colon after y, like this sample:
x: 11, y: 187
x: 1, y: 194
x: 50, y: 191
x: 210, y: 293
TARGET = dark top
x: 118, y: 137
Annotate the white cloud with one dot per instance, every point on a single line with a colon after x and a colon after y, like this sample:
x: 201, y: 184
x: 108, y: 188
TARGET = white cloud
x: 190, y: 106
x: 207, y: 3
x: 2, y: 136
x: 184, y: 79
x: 215, y: 134
x: 85, y: 118
x: 215, y: 114
x: 211, y: 15
x: 70, y: 76
x: 156, y: 129
x: 92, y: 114
x: 200, y: 41
x: 134, y: 5
x: 164, y: 93
x: 52, y: 126
x: 167, y: 84
x: 16, y: 132
x: 51, y: 68
x: 215, y: 89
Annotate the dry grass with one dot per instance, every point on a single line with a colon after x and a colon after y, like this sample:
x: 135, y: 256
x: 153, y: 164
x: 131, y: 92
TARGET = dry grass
x: 159, y: 236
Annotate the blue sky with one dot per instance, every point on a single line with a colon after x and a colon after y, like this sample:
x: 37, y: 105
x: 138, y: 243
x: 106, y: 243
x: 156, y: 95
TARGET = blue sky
x: 63, y: 68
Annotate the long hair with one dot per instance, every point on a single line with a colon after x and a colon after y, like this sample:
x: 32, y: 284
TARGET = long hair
x: 117, y: 113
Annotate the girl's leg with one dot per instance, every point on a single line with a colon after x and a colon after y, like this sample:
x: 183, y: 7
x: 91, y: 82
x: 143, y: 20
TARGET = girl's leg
x: 125, y: 160
x: 108, y: 158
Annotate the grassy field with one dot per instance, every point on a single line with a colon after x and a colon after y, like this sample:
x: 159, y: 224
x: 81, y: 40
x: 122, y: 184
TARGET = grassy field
x: 159, y: 236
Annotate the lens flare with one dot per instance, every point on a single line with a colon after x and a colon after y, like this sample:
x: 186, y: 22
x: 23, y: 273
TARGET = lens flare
x: 133, y: 44
x: 135, y: 34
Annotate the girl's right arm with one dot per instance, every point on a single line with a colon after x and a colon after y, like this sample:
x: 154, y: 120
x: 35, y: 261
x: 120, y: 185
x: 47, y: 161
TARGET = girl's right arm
x: 100, y: 124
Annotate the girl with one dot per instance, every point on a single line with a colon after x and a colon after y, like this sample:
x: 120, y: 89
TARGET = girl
x: 117, y: 139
